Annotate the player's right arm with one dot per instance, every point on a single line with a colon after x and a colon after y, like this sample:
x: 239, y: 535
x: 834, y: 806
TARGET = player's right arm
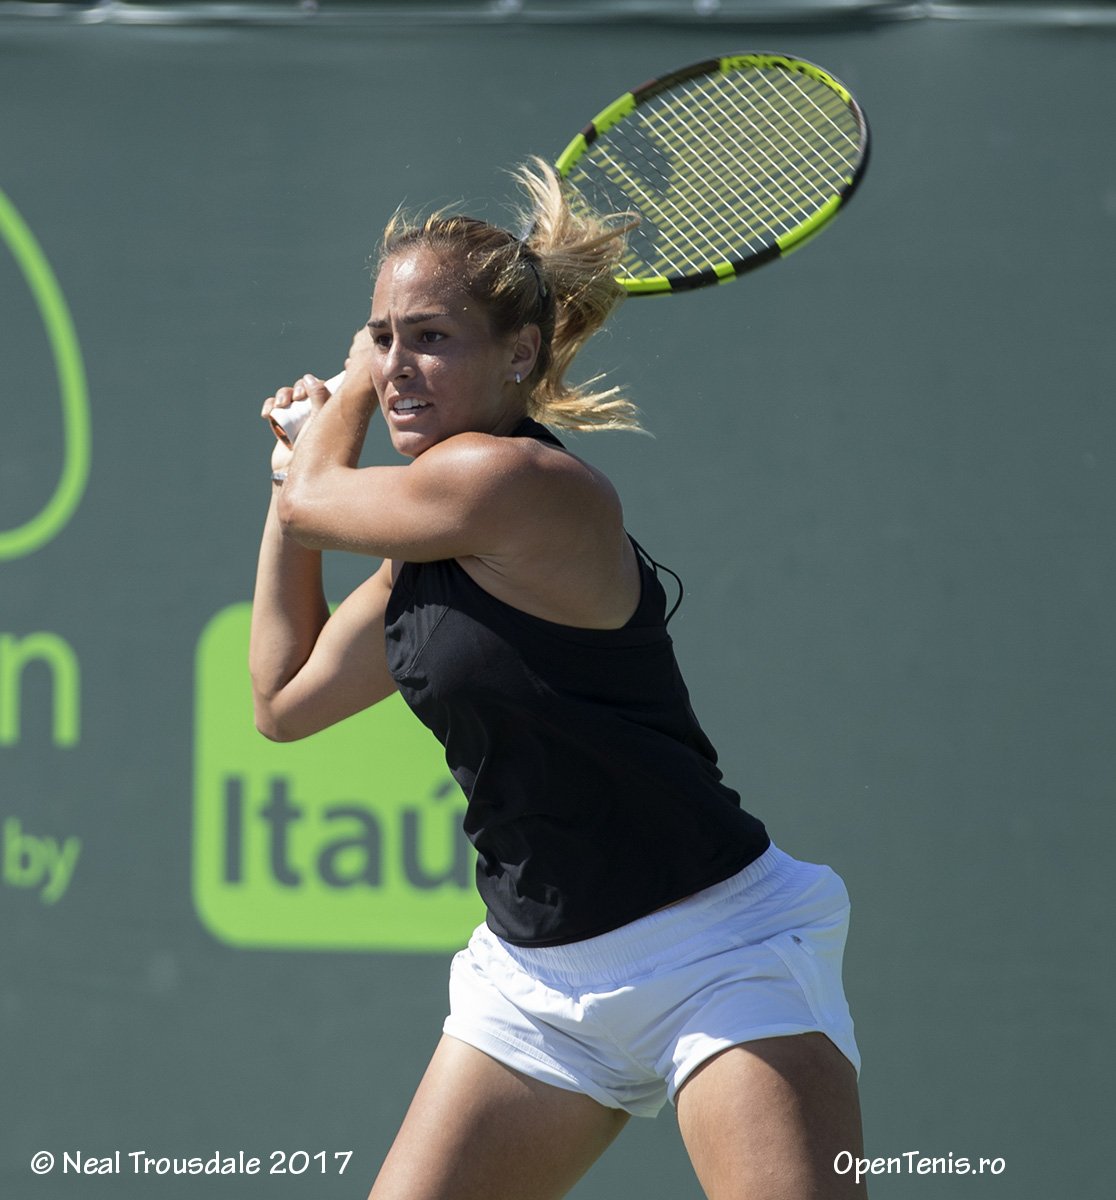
x: 310, y: 668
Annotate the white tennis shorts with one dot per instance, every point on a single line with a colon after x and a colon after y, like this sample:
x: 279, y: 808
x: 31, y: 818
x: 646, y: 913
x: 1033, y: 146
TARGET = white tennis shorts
x: 626, y: 1017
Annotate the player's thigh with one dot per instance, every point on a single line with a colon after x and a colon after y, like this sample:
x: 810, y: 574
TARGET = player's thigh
x: 766, y: 1121
x: 478, y: 1129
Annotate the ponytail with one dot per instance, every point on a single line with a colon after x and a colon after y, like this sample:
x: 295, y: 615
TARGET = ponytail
x: 578, y: 255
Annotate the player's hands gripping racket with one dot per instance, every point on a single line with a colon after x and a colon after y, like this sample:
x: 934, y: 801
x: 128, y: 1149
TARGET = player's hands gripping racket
x: 728, y: 164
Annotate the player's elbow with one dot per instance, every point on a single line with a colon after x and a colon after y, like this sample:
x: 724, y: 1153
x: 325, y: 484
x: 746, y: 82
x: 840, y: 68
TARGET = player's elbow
x: 271, y: 728
x: 299, y: 516
x: 279, y: 731
x: 274, y: 721
x: 274, y: 731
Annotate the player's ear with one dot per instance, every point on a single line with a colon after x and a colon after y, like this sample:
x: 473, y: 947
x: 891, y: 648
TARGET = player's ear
x: 525, y: 351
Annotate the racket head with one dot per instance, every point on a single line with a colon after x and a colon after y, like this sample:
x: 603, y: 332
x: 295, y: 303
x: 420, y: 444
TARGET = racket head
x: 729, y: 163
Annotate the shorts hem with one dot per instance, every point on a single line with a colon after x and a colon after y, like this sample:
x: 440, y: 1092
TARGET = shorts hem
x: 522, y: 1058
x: 712, y: 1048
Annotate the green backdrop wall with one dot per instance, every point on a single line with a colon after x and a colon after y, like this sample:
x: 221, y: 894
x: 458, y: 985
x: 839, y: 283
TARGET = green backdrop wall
x: 884, y: 469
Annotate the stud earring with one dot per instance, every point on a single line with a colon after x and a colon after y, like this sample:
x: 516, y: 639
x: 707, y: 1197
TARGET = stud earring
x: 518, y: 379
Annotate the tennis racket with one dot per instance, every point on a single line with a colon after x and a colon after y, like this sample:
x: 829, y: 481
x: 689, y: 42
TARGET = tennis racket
x: 729, y: 164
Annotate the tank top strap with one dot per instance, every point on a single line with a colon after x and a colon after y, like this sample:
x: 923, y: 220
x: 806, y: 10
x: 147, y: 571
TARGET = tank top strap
x: 533, y: 429
x: 656, y: 567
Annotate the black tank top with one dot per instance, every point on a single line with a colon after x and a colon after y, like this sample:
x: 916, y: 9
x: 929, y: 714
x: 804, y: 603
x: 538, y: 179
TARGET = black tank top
x: 594, y: 797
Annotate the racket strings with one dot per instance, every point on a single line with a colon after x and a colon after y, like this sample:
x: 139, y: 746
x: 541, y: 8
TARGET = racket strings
x: 673, y: 232
x: 734, y: 198
x: 699, y: 172
x: 721, y: 167
x: 784, y: 136
x: 786, y: 153
x: 806, y: 134
x: 771, y: 182
x: 669, y: 232
x: 636, y: 167
x: 781, y: 180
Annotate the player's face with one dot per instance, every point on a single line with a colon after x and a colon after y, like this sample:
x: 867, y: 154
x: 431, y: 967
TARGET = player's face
x: 437, y: 367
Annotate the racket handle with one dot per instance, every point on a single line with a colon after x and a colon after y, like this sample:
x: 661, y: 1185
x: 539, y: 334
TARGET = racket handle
x: 286, y: 422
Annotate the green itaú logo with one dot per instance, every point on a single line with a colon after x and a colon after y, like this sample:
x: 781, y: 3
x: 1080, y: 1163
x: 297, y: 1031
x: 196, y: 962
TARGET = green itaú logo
x: 349, y: 840
x: 36, y: 532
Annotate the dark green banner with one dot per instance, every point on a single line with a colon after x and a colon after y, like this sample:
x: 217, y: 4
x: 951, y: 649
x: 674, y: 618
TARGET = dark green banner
x: 884, y: 469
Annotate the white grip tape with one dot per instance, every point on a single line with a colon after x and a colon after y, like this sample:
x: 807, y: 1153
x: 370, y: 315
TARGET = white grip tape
x: 286, y: 422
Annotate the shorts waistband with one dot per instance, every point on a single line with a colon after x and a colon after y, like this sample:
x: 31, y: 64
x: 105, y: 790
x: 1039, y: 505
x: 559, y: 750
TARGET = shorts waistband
x: 639, y: 945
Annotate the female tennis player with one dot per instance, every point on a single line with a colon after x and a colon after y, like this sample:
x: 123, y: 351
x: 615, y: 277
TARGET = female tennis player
x: 644, y: 938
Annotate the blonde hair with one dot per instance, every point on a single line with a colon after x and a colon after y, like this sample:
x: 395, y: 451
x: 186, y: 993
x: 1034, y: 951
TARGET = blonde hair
x: 559, y: 276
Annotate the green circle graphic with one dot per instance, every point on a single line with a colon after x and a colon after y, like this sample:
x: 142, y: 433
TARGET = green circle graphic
x: 48, y: 522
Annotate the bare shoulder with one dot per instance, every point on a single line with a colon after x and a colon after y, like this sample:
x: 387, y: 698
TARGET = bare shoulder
x: 520, y: 471
x: 560, y: 551
x: 511, y: 454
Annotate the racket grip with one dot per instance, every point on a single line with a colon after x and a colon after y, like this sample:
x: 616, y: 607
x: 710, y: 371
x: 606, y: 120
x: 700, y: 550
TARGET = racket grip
x: 286, y: 422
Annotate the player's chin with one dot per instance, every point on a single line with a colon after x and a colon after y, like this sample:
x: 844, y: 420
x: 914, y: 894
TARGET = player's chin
x: 410, y: 443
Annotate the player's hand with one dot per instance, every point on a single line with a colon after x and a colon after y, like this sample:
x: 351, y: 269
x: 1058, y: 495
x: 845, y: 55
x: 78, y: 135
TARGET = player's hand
x: 281, y: 456
x: 309, y: 387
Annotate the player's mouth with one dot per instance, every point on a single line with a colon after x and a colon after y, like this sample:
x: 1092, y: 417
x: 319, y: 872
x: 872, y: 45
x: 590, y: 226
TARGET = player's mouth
x: 406, y: 405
